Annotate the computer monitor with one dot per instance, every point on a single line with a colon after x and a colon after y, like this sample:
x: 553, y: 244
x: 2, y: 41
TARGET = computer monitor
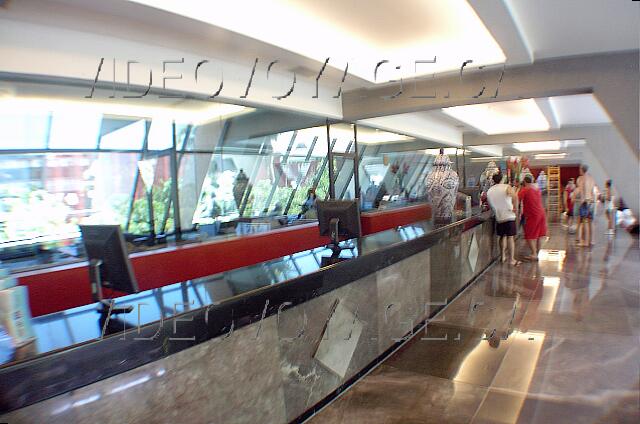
x: 339, y: 218
x: 109, y: 264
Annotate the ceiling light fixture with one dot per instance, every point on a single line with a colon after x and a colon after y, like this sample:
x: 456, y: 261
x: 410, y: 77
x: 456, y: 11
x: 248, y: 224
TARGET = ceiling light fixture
x: 450, y: 151
x: 537, y: 146
x: 542, y: 156
x: 541, y: 146
x: 513, y: 116
x: 486, y: 159
x: 574, y: 143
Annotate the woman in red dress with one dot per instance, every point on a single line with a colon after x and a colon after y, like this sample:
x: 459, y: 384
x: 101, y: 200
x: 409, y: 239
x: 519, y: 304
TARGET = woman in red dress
x: 535, y: 220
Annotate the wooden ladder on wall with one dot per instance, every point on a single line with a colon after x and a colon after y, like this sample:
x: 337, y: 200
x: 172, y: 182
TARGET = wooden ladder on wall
x: 554, y: 193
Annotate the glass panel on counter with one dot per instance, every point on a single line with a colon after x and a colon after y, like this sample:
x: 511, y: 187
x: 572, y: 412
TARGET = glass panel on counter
x: 393, y: 169
x: 256, y: 183
x: 344, y: 149
x: 66, y: 160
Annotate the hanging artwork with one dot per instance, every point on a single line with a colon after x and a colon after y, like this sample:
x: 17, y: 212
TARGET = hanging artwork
x: 442, y: 186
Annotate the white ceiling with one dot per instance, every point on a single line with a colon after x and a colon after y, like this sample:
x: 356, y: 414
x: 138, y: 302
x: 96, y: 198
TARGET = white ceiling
x: 437, y: 125
x: 301, y: 34
x: 512, y: 116
x: 422, y: 125
x: 359, y: 33
x: 582, y: 109
x: 555, y: 28
x: 486, y: 31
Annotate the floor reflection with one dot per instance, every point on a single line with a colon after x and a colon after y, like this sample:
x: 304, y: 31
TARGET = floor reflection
x: 553, y: 341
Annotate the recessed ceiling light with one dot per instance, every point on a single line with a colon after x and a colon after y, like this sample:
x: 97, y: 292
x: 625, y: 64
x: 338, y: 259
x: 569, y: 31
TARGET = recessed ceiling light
x: 579, y: 109
x: 550, y: 156
x: 537, y: 146
x: 541, y: 146
x: 346, y: 32
x: 487, y: 159
x: 502, y: 117
x: 447, y: 151
x: 574, y: 143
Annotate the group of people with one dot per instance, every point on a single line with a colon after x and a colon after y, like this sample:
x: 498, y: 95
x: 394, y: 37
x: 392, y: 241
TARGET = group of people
x: 505, y: 201
x: 525, y: 203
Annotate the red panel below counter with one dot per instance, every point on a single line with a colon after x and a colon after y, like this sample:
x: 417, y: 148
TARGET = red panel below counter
x: 64, y: 287
x: 374, y: 222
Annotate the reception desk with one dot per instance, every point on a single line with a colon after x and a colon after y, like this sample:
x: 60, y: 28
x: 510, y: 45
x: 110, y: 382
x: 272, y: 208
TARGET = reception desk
x: 263, y: 343
x: 67, y: 286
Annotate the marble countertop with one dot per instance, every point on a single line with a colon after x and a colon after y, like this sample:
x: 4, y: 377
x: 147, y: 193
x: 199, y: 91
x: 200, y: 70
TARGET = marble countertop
x: 194, y: 311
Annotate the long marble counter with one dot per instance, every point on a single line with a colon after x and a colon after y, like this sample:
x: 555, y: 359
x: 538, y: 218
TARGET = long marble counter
x: 254, y: 326
x: 65, y: 287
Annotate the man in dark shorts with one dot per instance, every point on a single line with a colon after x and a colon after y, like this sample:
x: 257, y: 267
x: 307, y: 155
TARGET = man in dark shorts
x: 501, y: 198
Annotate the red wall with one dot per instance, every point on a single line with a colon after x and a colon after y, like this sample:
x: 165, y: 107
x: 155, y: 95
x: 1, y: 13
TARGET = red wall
x: 64, y: 287
x: 566, y: 172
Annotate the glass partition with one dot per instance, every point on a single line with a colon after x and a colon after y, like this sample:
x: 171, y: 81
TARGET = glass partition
x: 393, y: 169
x: 161, y: 168
x: 169, y: 169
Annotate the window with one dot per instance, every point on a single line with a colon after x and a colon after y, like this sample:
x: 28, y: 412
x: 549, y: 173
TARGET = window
x: 44, y: 197
x: 19, y: 130
x: 79, y: 130
x: 121, y: 134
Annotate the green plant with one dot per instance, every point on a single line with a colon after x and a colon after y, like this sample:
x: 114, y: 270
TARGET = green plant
x: 139, y: 223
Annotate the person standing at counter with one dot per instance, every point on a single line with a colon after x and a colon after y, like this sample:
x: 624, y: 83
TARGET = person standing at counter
x: 309, y: 204
x: 535, y: 220
x: 502, y: 198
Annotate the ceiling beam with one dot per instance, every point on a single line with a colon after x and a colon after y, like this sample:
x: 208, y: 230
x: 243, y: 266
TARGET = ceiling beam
x: 612, y: 78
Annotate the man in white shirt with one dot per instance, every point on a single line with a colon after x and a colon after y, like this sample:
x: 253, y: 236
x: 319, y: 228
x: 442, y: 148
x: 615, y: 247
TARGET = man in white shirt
x: 584, y: 196
x: 502, y: 198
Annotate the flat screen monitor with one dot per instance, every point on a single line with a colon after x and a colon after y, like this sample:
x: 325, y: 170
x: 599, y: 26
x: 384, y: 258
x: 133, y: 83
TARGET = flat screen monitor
x: 347, y: 212
x: 105, y: 248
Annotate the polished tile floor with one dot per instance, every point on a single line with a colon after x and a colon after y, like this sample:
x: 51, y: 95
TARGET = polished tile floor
x: 549, y: 342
